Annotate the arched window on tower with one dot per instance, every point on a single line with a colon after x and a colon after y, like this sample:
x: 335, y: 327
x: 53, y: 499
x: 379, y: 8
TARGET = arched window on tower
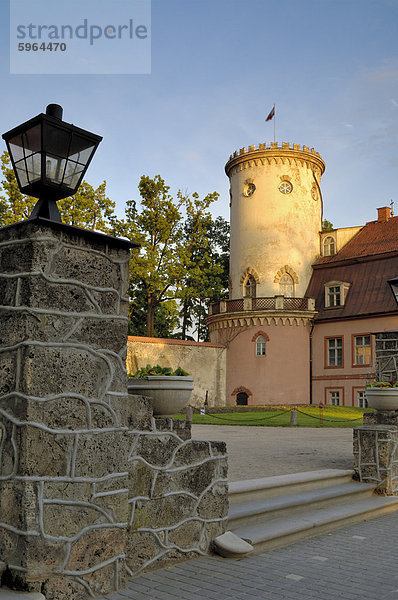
x: 261, y: 345
x: 249, y: 287
x: 286, y: 285
x: 329, y: 246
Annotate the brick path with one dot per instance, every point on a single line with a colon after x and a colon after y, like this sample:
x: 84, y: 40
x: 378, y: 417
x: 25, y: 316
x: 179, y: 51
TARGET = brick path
x: 355, y: 563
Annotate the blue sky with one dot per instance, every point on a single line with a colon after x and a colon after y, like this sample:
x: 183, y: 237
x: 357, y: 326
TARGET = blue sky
x: 330, y: 66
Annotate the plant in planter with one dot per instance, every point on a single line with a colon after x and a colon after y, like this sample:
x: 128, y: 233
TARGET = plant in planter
x: 170, y: 390
x: 382, y: 395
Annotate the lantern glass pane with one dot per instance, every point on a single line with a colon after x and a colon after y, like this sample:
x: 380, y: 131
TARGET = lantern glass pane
x: 29, y: 170
x: 55, y: 168
x: 73, y: 173
x: 33, y: 164
x: 26, y: 143
x: 82, y: 154
x: 56, y: 141
x: 20, y: 169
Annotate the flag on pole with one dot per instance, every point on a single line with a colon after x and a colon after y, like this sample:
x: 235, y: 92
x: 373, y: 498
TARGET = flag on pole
x: 271, y: 114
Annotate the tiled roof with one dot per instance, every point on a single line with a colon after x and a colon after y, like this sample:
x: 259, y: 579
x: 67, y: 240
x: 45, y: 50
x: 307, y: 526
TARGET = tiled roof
x: 377, y: 237
x: 366, y: 262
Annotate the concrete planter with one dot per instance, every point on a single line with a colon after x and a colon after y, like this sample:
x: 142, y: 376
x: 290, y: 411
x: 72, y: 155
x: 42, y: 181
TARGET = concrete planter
x: 169, y: 394
x: 382, y: 398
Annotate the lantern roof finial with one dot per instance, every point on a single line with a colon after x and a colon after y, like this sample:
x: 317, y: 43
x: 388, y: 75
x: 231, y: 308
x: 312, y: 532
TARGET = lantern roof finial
x: 54, y: 110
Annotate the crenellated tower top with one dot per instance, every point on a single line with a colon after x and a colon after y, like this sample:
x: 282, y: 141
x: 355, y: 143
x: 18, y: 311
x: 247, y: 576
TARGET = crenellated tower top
x: 285, y: 153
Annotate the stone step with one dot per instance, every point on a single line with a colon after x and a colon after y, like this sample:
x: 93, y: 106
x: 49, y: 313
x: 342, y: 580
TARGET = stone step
x: 279, y: 532
x: 257, y: 511
x: 270, y: 487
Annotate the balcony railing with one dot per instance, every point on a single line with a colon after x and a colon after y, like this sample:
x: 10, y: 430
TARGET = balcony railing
x: 279, y: 303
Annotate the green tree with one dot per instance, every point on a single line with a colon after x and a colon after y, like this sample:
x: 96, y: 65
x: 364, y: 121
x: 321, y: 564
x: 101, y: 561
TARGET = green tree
x: 206, y: 278
x: 157, y: 224
x: 89, y: 208
x: 327, y: 225
x: 165, y: 318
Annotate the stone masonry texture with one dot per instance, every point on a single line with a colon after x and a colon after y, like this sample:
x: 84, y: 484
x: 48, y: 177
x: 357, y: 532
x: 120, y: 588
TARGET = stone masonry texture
x: 376, y: 456
x: 92, y: 488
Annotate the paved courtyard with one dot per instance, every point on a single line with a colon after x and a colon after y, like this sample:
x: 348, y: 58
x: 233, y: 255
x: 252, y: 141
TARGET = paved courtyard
x: 265, y: 451
x: 354, y: 563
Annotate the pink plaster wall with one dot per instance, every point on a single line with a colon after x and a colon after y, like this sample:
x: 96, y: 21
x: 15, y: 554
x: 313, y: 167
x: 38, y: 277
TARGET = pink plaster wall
x: 280, y: 377
x: 348, y: 379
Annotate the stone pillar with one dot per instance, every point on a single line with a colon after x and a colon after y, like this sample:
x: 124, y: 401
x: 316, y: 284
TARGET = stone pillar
x: 63, y: 394
x: 376, y: 453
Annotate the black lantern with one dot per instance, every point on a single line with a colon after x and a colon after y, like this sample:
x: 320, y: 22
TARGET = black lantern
x: 393, y: 283
x: 50, y: 158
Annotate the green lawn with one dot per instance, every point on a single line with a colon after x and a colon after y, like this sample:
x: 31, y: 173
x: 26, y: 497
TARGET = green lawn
x: 308, y: 416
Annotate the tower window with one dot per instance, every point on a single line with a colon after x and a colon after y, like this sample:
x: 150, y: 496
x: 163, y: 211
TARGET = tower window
x: 286, y: 285
x: 249, y: 287
x: 260, y: 345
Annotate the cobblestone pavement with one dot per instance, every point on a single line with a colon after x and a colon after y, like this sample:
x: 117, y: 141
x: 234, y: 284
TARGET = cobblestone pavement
x: 357, y: 562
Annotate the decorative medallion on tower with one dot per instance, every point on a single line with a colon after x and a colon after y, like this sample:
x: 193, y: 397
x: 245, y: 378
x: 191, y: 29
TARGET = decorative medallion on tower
x: 249, y: 189
x: 285, y: 187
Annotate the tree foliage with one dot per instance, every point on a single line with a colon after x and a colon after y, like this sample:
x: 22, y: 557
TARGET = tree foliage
x: 172, y: 263
x: 327, y: 225
x: 206, y: 278
x: 89, y: 208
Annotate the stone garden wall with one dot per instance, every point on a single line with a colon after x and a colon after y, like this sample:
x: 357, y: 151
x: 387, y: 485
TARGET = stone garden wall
x: 178, y: 491
x: 91, y: 487
x: 206, y: 363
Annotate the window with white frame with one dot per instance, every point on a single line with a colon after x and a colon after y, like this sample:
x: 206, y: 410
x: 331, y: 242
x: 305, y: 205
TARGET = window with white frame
x: 362, y: 350
x: 335, y: 352
x: 362, y: 402
x: 334, y: 398
x: 329, y: 246
x: 335, y: 293
x: 260, y: 345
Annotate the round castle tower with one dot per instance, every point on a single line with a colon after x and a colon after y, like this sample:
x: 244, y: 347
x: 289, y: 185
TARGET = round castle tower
x: 276, y: 219
x: 276, y: 216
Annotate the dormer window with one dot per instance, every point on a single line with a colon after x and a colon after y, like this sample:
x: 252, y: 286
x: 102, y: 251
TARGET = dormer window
x: 335, y: 293
x: 329, y: 246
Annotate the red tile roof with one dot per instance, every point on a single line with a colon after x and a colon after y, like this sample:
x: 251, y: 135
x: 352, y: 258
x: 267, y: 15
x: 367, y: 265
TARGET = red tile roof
x: 366, y: 262
x: 377, y: 237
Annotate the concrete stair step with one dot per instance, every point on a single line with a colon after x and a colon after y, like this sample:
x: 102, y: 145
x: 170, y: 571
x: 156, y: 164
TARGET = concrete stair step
x: 270, y: 487
x: 280, y: 532
x: 257, y: 511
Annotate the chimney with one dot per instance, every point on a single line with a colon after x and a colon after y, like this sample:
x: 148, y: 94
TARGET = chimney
x: 383, y: 214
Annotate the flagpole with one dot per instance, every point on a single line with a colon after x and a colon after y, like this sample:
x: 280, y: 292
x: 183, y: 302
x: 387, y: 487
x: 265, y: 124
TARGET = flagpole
x: 274, y: 122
